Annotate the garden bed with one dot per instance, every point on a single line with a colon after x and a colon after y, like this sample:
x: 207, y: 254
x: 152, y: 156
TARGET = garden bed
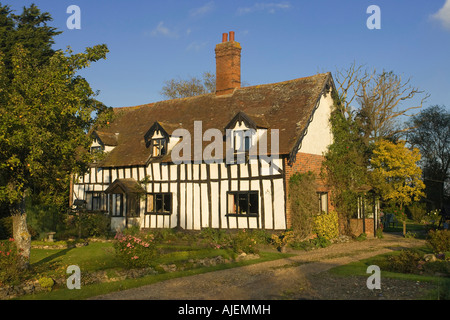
x: 105, y: 276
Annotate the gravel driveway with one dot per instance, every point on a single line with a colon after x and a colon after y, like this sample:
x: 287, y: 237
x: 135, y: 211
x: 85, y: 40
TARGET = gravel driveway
x: 299, y: 277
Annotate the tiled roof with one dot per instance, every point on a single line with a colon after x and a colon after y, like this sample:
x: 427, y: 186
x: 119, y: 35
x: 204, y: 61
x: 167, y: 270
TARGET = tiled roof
x: 287, y: 106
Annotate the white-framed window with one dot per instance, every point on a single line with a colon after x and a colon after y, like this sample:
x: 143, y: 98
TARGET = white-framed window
x: 242, y: 140
x: 323, y: 202
x: 244, y: 203
x: 159, y: 203
x: 159, y: 147
x: 96, y: 201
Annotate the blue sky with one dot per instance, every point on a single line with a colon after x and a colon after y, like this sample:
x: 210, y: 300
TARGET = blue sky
x: 154, y: 41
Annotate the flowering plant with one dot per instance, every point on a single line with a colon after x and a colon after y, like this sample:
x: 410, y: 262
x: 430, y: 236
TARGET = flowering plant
x: 9, y: 262
x: 244, y: 242
x: 283, y: 239
x: 135, y: 252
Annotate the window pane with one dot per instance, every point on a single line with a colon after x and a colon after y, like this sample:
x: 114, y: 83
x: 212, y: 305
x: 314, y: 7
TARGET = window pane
x: 163, y: 147
x: 324, y: 202
x: 155, y: 150
x: 167, y: 203
x: 231, y: 203
x: 238, y: 136
x: 248, y: 143
x: 95, y: 203
x: 89, y: 201
x: 253, y: 203
x: 158, y: 203
x: 243, y: 203
x: 118, y: 205
x: 149, y: 203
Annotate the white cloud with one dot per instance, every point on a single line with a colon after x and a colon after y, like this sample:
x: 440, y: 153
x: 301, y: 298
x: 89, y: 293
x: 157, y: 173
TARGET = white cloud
x: 267, y: 7
x: 196, y: 46
x: 443, y: 15
x: 208, y: 7
x: 162, y: 30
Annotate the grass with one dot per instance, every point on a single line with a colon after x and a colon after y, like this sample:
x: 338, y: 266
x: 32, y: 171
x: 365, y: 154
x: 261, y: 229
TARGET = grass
x: 359, y: 268
x: 417, y: 229
x: 100, y: 256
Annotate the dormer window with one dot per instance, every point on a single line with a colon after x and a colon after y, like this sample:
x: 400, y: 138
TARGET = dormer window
x: 156, y: 140
x: 242, y: 140
x: 103, y: 142
x: 96, y: 146
x: 159, y: 147
x: 96, y: 149
x: 242, y: 131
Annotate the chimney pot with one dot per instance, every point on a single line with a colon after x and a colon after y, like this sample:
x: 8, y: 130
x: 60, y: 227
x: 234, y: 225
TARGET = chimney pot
x: 228, y: 65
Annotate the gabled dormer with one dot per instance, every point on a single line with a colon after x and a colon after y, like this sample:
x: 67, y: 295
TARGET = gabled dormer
x: 157, y: 139
x: 243, y: 130
x: 103, y: 141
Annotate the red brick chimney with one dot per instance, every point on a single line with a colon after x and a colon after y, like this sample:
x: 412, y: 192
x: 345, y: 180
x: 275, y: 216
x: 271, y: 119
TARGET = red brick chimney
x: 228, y: 65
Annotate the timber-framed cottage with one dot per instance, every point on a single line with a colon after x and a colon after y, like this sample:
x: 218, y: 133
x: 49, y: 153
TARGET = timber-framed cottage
x: 156, y: 176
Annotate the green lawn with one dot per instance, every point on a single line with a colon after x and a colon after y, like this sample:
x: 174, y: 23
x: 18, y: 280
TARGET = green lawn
x: 94, y: 257
x: 359, y: 268
x: 100, y: 256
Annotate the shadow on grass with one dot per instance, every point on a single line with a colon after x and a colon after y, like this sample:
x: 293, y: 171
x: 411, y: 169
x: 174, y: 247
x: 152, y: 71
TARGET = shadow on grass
x: 51, y: 257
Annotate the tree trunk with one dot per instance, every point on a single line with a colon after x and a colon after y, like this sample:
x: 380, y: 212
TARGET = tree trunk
x: 21, y: 235
x: 403, y: 219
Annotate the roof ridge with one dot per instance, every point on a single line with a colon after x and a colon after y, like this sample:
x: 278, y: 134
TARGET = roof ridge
x: 151, y: 104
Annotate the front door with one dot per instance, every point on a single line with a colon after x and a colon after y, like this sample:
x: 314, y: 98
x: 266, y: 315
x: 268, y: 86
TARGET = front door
x: 132, y: 209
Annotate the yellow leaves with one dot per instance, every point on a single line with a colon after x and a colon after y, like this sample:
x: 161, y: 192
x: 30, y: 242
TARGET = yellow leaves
x: 326, y: 225
x: 395, y: 171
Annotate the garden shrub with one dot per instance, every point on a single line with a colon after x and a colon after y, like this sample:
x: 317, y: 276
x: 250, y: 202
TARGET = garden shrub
x: 413, y: 261
x: 85, y: 225
x: 282, y: 239
x: 244, y: 242
x: 261, y: 236
x: 135, y: 252
x: 6, y: 230
x: 439, y: 240
x: 95, y: 224
x: 361, y: 237
x: 407, y: 261
x: 303, y: 203
x: 320, y: 242
x: 10, y: 272
x: 326, y: 225
x: 42, y: 219
x: 305, y: 245
x: 432, y: 217
x: 46, y: 283
x: 417, y: 211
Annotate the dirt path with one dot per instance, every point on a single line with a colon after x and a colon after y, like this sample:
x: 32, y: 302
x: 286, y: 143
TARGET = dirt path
x: 297, y: 277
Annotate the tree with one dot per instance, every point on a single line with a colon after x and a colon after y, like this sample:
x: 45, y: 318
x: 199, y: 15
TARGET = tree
x: 179, y: 88
x: 367, y: 106
x: 346, y: 161
x: 45, y: 112
x: 431, y: 134
x: 29, y: 29
x: 396, y: 174
x: 381, y: 98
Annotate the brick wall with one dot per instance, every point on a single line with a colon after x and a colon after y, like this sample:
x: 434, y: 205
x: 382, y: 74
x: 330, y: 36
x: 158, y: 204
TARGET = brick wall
x: 228, y: 65
x: 357, y: 226
x: 304, y: 163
